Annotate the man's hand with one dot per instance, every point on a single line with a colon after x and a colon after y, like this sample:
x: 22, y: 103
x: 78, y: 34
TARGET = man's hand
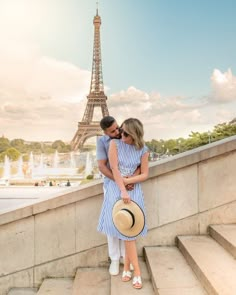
x: 129, y: 186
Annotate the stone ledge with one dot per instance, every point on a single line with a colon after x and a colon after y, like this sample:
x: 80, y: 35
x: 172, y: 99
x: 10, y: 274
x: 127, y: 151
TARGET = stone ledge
x: 50, y: 200
x: 194, y: 156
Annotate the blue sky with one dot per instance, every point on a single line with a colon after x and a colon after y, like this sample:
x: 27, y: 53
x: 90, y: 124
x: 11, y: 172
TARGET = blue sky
x: 170, y: 63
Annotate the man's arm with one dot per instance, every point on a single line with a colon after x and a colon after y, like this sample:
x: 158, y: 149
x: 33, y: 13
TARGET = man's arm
x: 130, y: 186
x: 102, y: 159
x: 102, y: 166
x: 137, y: 171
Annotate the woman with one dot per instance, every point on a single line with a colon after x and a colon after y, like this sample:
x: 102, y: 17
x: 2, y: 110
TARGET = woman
x: 125, y: 156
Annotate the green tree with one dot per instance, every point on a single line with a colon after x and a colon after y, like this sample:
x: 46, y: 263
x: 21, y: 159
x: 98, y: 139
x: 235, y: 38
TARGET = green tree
x: 4, y: 144
x: 224, y: 130
x: 171, y: 147
x: 19, y: 144
x: 12, y: 153
x: 58, y: 145
x: 48, y: 150
x: 66, y: 149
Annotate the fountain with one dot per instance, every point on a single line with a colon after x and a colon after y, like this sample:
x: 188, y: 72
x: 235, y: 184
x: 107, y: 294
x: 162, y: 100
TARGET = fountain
x: 20, y: 173
x: 41, y: 165
x: 6, y: 172
x: 56, y: 167
x: 30, y: 170
x: 72, y: 160
x: 41, y: 168
x: 88, y: 166
x: 7, y: 168
x: 55, y: 160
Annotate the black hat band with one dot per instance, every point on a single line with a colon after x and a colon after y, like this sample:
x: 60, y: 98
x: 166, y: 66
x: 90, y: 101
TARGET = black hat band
x: 132, y: 215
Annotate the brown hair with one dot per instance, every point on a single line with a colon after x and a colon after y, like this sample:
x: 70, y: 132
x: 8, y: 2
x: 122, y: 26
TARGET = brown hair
x: 106, y: 122
x: 134, y: 128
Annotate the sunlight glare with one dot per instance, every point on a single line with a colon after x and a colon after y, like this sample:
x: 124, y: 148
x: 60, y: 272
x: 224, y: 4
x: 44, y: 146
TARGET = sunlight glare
x: 19, y: 17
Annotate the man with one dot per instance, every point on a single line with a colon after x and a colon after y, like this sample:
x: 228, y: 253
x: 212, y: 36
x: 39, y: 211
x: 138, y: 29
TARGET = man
x: 116, y: 249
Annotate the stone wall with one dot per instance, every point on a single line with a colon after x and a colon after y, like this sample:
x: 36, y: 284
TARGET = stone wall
x: 187, y: 193
x: 183, y: 195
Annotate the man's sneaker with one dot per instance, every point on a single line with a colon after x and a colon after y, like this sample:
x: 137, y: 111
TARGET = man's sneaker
x: 131, y: 265
x: 114, y: 267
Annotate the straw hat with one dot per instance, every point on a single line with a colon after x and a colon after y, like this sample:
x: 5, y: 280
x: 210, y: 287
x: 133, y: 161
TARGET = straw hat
x: 128, y: 218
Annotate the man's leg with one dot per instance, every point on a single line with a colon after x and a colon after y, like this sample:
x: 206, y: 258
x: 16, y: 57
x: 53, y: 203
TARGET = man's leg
x: 114, y: 254
x: 122, y: 248
x: 122, y: 251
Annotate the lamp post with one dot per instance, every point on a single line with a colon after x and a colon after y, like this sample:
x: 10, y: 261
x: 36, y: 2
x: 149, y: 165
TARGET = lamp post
x: 209, y: 136
x: 163, y: 149
x: 179, y: 145
x: 152, y: 151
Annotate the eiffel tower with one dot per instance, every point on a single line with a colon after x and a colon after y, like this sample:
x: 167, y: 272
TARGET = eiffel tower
x: 87, y: 127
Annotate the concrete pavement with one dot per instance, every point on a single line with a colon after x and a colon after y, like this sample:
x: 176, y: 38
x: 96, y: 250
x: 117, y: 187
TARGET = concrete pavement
x: 12, y: 197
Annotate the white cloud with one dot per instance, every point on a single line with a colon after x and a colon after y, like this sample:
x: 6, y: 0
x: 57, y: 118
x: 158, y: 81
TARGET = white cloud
x: 169, y: 117
x: 163, y: 117
x: 223, y: 86
x: 58, y: 80
x: 225, y: 115
x: 24, y: 72
x: 42, y: 98
x: 39, y: 95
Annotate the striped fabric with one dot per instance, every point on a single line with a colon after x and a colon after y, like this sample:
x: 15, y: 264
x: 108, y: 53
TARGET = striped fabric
x: 129, y: 159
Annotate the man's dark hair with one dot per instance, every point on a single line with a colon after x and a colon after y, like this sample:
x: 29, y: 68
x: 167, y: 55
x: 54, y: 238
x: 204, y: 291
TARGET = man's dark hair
x: 106, y: 122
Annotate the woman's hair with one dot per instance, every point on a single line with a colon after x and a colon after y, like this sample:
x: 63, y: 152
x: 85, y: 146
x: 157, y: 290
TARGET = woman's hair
x: 134, y: 128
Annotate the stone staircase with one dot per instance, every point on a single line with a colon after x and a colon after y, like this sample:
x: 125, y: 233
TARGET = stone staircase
x: 200, y: 264
x: 90, y: 281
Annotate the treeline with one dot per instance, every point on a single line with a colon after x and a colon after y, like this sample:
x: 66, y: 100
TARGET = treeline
x: 16, y: 147
x: 195, y: 139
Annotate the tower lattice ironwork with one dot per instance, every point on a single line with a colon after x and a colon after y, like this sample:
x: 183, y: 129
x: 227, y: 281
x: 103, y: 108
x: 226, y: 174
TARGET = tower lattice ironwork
x: 96, y: 99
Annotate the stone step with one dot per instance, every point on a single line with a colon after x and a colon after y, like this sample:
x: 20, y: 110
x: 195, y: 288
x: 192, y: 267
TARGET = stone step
x: 213, y: 265
x: 22, y: 291
x: 91, y: 281
x: 225, y: 235
x: 171, y: 273
x: 119, y: 288
x: 60, y: 286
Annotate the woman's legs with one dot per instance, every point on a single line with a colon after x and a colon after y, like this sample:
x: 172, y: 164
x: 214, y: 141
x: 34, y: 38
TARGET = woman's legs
x: 131, y: 256
x: 127, y: 275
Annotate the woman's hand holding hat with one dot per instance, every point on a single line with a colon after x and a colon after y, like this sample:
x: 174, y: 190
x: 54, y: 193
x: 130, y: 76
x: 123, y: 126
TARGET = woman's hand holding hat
x: 125, y: 197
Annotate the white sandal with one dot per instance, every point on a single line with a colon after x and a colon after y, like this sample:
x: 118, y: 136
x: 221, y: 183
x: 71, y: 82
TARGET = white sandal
x: 126, y: 276
x: 137, y: 282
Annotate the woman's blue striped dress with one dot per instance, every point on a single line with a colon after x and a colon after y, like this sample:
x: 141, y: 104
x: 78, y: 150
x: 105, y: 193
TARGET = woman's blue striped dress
x: 129, y: 159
